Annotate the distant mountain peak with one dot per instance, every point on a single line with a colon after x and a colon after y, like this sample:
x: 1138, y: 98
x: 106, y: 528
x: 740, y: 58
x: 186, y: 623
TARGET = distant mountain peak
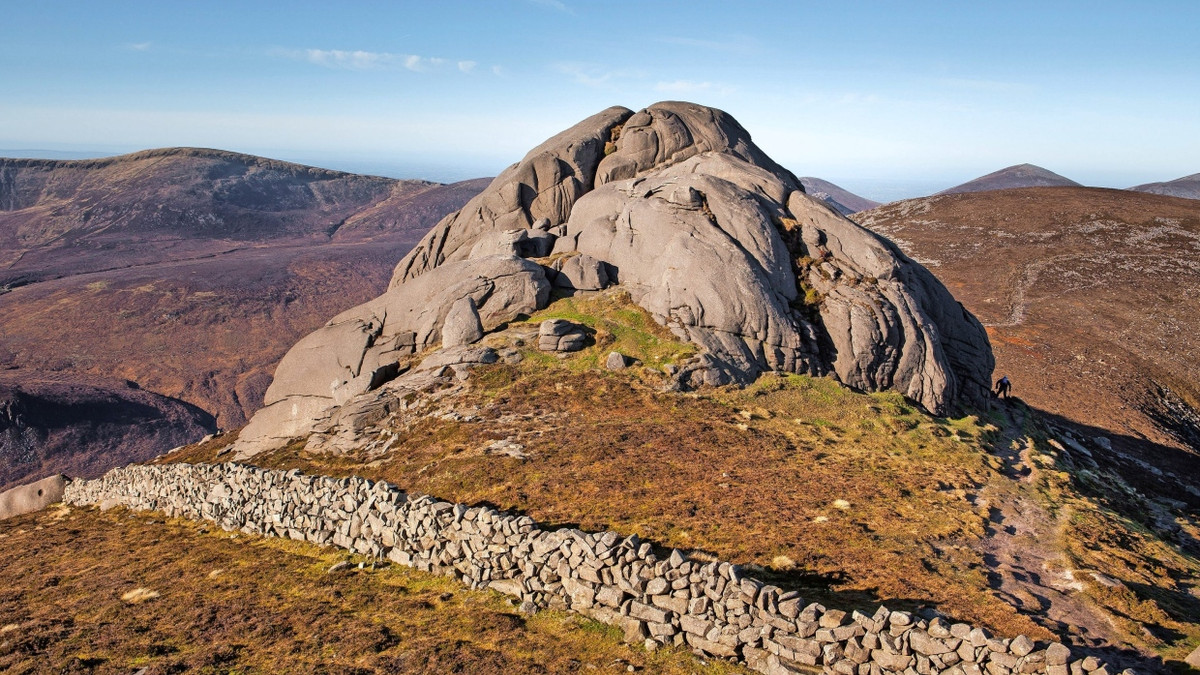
x: 841, y: 199
x: 1187, y: 187
x: 1016, y: 176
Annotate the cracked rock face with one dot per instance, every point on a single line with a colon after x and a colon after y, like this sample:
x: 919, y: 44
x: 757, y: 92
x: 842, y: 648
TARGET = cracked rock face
x: 707, y: 233
x: 362, y: 348
x: 720, y: 243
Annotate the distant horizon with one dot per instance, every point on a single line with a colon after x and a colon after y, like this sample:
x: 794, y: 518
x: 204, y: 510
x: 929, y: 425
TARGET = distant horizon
x: 867, y: 95
x: 882, y: 189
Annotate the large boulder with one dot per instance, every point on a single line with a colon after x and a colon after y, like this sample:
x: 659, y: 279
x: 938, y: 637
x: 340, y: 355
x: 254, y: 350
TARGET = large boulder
x: 722, y: 244
x: 462, y: 326
x: 707, y: 233
x: 32, y: 497
x: 364, y: 347
x: 579, y: 273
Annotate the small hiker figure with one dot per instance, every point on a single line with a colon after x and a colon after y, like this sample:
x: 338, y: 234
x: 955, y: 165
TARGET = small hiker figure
x: 1003, y: 387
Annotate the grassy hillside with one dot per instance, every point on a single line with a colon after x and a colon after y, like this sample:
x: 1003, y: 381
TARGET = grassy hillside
x: 854, y: 499
x: 1086, y: 295
x: 117, y: 592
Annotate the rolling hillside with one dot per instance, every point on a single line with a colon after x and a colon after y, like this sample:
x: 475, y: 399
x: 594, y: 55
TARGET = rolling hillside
x: 188, y: 272
x: 1086, y: 296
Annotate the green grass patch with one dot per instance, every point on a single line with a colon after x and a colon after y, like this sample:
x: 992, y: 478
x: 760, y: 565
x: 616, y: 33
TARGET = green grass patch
x: 614, y: 323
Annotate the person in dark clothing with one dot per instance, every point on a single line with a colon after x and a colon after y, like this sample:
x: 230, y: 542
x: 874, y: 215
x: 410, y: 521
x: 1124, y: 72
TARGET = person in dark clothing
x: 1003, y: 387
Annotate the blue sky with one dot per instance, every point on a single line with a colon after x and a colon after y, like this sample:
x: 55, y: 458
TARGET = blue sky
x: 873, y: 95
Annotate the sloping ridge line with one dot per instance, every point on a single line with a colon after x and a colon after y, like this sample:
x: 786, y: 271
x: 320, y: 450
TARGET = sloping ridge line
x: 707, y: 606
x: 203, y: 153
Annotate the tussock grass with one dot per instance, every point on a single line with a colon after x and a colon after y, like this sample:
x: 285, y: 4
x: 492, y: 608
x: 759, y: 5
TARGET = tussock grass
x: 853, y: 499
x: 273, y: 609
x: 615, y: 324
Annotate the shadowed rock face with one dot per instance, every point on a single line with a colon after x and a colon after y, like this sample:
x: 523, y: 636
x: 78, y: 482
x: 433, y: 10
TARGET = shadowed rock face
x: 719, y: 243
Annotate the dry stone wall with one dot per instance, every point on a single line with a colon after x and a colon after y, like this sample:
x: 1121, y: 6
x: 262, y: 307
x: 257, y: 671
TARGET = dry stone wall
x: 665, y: 599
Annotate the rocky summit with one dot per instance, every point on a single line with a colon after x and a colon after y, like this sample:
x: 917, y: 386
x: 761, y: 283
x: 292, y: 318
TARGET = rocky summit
x: 707, y: 233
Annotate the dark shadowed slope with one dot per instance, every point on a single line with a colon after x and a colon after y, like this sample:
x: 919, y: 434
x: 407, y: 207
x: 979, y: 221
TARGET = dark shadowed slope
x: 1088, y: 296
x: 1187, y: 187
x: 45, y: 419
x: 841, y: 199
x: 190, y: 271
x: 1018, y: 176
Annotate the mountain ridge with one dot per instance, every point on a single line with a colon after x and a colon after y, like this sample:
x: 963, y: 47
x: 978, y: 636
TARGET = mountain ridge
x: 1187, y: 187
x: 1015, y: 176
x: 841, y: 199
x: 188, y: 271
x: 177, y: 151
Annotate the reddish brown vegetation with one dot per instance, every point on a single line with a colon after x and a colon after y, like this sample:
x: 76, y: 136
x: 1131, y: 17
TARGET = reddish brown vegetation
x: 1089, y: 298
x: 189, y: 272
x: 215, y: 603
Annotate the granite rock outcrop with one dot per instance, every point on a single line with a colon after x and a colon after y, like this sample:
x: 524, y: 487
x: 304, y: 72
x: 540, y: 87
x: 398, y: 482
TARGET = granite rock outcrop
x: 32, y: 497
x: 718, y: 242
x: 369, y: 345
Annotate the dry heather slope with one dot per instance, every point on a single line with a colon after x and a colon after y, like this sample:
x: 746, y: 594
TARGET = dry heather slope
x: 154, y: 596
x: 187, y: 271
x: 1089, y: 298
x: 852, y: 499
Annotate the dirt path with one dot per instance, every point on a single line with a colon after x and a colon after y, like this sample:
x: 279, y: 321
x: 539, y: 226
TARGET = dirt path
x: 1029, y: 277
x: 1026, y: 567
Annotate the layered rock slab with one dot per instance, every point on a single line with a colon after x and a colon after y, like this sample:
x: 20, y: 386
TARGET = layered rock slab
x: 363, y: 348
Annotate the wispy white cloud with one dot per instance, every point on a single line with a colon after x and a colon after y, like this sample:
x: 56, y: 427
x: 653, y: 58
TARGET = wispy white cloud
x: 350, y: 60
x: 420, y: 64
x: 365, y: 60
x: 692, y: 87
x: 557, y: 5
x: 590, y: 76
x: 594, y: 75
x: 139, y: 46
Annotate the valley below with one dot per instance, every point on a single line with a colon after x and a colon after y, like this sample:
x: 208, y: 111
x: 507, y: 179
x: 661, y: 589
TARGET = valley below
x: 187, y: 272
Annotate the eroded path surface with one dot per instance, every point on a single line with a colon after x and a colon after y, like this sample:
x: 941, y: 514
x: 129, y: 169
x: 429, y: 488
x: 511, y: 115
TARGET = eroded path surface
x: 1027, y: 568
x: 1027, y: 564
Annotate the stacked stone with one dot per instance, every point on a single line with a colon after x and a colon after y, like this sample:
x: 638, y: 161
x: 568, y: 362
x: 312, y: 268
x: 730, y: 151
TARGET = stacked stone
x: 560, y: 335
x: 709, y: 607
